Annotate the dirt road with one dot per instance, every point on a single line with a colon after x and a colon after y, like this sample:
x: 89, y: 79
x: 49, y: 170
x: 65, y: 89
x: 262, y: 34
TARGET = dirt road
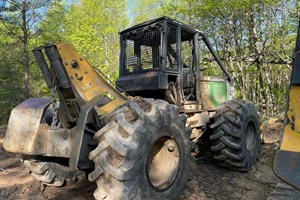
x: 209, y: 182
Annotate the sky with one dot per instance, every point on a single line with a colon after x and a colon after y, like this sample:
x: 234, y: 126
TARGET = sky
x: 130, y: 7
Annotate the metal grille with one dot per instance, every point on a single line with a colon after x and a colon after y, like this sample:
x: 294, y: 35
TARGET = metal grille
x: 172, y: 49
x: 143, y: 50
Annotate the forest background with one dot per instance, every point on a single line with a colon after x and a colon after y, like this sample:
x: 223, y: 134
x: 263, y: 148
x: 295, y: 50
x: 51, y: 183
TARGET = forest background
x: 254, y: 38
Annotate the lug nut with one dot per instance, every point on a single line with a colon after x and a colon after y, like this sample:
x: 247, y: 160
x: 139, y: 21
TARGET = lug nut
x: 171, y: 147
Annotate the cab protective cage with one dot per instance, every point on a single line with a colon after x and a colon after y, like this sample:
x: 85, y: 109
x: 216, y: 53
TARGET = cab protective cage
x: 151, y: 55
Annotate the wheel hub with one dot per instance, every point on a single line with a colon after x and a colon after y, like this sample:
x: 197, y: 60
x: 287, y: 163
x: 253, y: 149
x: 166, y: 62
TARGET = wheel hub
x: 163, y: 163
x: 250, y: 136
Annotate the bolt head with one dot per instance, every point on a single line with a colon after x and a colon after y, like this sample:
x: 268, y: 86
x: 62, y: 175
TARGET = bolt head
x: 171, y: 147
x: 74, y: 63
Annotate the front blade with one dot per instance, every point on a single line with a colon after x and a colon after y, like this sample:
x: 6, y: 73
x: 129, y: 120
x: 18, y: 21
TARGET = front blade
x: 287, y: 167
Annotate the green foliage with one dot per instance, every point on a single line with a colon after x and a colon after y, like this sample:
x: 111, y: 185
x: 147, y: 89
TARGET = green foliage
x: 11, y: 74
x: 254, y: 38
x: 148, y: 9
x: 51, y: 29
x: 93, y: 27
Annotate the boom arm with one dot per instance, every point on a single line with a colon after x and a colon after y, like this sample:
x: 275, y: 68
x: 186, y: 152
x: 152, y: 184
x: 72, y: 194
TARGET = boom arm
x: 72, y: 71
x: 84, y: 98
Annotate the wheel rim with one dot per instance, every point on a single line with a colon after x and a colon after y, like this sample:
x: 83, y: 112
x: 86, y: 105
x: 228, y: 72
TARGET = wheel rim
x: 250, y: 136
x: 163, y: 163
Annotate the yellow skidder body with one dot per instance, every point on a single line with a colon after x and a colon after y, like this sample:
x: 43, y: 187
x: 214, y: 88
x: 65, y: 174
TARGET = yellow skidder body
x: 291, y: 137
x: 287, y: 159
x: 86, y: 80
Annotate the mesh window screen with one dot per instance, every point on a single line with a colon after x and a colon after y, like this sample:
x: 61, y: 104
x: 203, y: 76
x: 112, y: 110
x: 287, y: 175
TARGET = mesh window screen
x: 172, y: 49
x: 143, y: 50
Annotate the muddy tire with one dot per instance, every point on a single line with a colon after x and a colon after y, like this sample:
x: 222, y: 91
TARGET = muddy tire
x: 143, y: 152
x: 50, y: 173
x: 236, y: 135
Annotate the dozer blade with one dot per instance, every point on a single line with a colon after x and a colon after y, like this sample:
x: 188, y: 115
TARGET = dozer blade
x: 287, y: 159
x: 287, y: 167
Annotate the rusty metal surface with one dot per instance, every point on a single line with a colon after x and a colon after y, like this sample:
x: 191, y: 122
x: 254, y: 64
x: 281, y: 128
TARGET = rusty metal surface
x: 287, y: 167
x: 58, y: 143
x: 26, y: 135
x: 23, y: 124
x: 51, y: 142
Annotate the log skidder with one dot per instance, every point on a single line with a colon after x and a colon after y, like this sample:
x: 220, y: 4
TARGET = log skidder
x: 138, y: 148
x: 178, y: 72
x: 143, y: 152
x: 236, y: 135
x: 132, y: 149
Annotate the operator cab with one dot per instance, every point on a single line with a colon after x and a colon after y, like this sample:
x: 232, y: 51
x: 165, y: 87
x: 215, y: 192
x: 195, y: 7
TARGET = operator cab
x: 160, y: 59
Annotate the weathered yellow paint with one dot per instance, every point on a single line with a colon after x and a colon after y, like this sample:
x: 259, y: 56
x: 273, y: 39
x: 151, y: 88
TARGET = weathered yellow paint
x: 291, y: 134
x: 86, y: 80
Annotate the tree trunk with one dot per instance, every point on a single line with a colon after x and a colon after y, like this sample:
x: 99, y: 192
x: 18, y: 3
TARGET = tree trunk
x: 26, y: 59
x: 261, y: 93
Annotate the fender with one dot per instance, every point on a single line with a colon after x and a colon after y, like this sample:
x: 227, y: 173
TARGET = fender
x: 28, y: 133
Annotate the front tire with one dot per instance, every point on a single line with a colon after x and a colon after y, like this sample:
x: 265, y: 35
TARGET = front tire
x: 143, y: 152
x: 236, y: 135
x: 51, y: 173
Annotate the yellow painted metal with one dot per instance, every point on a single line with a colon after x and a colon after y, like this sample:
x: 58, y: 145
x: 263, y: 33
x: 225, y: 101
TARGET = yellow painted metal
x: 291, y: 134
x: 87, y: 81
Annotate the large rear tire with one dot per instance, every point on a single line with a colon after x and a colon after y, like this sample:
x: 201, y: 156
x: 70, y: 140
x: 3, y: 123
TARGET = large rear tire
x: 144, y: 152
x: 236, y: 135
